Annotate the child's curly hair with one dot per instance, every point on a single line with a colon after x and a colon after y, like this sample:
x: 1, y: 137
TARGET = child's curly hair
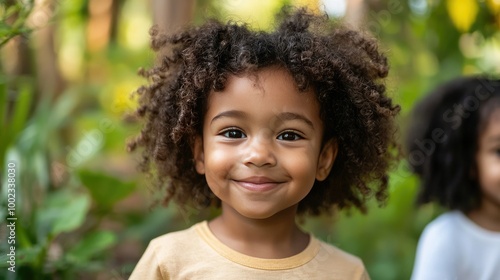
x: 344, y: 67
x: 442, y: 140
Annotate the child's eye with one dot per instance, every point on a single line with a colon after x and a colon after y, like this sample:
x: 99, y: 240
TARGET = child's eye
x: 233, y: 133
x: 289, y: 136
x: 497, y: 152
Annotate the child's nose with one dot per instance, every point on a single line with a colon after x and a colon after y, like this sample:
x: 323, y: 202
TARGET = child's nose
x: 260, y: 152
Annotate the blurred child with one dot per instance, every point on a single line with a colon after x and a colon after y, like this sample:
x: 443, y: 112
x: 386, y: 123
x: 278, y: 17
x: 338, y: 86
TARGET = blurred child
x: 454, y: 146
x: 266, y: 126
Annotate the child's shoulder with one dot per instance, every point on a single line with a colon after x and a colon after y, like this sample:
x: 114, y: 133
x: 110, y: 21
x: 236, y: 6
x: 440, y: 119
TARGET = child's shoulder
x: 331, y: 259
x: 444, y: 224
x: 457, y: 225
x: 176, y: 239
x: 337, y: 255
x: 166, y: 254
x: 175, y: 247
x: 446, y: 231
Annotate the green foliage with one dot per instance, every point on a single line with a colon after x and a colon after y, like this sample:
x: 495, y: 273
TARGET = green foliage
x: 49, y: 217
x: 13, y: 18
x: 105, y: 190
x: 11, y: 127
x: 51, y: 221
x: 92, y: 245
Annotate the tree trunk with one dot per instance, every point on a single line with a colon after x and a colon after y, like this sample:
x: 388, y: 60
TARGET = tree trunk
x: 49, y: 78
x: 171, y: 15
x: 355, y: 13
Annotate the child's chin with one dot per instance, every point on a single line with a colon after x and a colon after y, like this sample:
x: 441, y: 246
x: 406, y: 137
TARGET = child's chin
x: 257, y: 215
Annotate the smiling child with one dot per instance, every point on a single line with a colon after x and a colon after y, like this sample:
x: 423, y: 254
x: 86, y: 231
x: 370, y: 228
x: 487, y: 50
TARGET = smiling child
x: 266, y: 126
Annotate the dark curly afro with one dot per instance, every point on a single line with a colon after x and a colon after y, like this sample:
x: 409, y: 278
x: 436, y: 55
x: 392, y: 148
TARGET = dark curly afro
x: 344, y: 67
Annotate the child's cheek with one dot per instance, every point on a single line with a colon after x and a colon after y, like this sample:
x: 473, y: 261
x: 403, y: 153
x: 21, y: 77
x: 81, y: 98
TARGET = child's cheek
x: 299, y: 161
x: 220, y: 162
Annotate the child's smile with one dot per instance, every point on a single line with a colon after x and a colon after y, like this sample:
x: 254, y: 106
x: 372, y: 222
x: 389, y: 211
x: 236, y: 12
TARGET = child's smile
x: 262, y: 144
x: 258, y: 183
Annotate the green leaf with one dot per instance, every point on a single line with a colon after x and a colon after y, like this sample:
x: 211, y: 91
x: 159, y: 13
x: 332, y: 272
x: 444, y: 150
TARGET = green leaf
x: 104, y: 189
x: 12, y: 10
x: 40, y: 169
x: 63, y: 212
x: 21, y: 108
x: 23, y: 256
x: 61, y: 111
x: 3, y: 118
x: 3, y: 102
x: 92, y: 245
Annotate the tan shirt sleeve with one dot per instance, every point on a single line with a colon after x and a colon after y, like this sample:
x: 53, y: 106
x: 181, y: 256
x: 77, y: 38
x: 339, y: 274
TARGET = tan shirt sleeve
x: 364, y: 275
x: 148, y: 266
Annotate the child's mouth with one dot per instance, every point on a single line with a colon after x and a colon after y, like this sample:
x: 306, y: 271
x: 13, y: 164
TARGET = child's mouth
x: 258, y: 184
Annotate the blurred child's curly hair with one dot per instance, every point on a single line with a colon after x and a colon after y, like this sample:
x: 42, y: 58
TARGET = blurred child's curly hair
x: 442, y: 140
x: 344, y: 67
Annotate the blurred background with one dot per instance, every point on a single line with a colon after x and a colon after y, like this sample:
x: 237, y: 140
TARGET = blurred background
x: 68, y: 68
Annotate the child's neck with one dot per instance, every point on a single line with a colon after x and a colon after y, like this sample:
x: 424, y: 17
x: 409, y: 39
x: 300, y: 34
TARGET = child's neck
x: 272, y: 238
x: 487, y: 215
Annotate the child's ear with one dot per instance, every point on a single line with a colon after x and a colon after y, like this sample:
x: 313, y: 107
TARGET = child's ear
x: 199, y: 157
x: 326, y: 159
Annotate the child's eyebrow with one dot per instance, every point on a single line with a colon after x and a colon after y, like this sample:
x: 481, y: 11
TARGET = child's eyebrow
x: 230, y: 113
x: 288, y: 116
x: 285, y: 116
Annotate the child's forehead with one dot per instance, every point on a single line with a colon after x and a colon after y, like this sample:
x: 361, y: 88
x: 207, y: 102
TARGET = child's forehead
x: 273, y: 85
x: 491, y: 127
x: 270, y: 80
x: 495, y: 115
x: 490, y: 108
x: 274, y: 74
x: 489, y: 113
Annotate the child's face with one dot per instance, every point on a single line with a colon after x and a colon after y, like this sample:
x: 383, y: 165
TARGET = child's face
x: 488, y: 160
x: 261, y: 149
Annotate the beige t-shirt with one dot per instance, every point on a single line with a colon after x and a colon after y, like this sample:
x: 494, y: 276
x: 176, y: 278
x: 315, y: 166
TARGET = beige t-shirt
x: 195, y: 253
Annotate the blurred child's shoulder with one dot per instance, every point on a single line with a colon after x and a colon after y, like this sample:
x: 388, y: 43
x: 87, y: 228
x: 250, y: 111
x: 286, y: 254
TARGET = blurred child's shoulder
x: 446, y: 219
x: 445, y: 224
